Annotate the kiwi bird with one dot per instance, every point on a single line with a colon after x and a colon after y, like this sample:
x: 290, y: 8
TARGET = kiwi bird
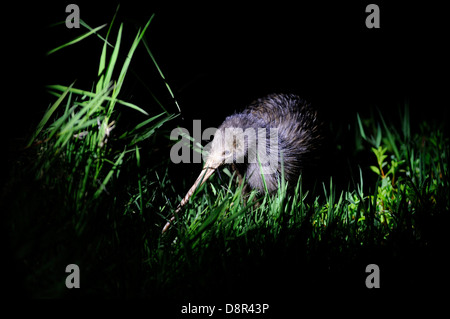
x: 277, y: 135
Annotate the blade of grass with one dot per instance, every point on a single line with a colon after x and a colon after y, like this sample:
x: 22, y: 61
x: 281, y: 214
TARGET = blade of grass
x: 138, y: 163
x: 102, y: 63
x: 162, y: 75
x: 84, y: 24
x: 127, y: 62
x: 92, y: 94
x: 109, y: 175
x: 113, y: 59
x: 390, y: 137
x: 406, y: 124
x: 361, y: 128
x: 76, y: 40
x: 152, y: 129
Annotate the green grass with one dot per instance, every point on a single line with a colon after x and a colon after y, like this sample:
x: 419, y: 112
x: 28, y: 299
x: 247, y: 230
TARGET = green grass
x: 89, y: 190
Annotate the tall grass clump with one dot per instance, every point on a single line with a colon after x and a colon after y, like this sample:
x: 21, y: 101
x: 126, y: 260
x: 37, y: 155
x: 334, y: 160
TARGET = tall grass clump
x: 81, y: 177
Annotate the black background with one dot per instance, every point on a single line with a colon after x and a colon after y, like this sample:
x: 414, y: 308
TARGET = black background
x: 219, y: 57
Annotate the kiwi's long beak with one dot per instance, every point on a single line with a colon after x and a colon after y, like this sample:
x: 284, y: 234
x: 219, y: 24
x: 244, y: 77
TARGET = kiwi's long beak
x: 206, y: 172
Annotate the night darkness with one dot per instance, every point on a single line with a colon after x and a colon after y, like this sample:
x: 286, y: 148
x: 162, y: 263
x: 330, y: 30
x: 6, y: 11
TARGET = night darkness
x: 219, y: 58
